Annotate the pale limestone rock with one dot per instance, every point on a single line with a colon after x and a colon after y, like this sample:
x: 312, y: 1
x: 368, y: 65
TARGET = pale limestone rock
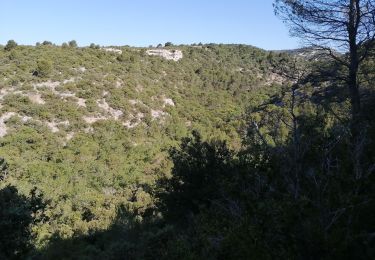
x: 174, y: 55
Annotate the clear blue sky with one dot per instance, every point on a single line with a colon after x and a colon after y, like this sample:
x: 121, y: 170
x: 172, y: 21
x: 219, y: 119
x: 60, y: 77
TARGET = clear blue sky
x: 144, y: 22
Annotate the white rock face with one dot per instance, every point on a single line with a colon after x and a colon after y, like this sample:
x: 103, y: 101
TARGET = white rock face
x: 168, y: 102
x: 81, y: 69
x: 71, y: 80
x: 54, y: 125
x: 69, y: 136
x: 174, y: 55
x: 93, y: 119
x: 3, y: 118
x: 155, y: 114
x: 48, y: 84
x: 139, y: 88
x: 117, y: 51
x: 66, y: 94
x: 89, y: 130
x: 116, y: 114
x: 118, y: 84
x: 274, y: 78
x: 52, y: 85
x: 6, y: 116
x: 135, y: 102
x: 134, y: 121
x: 36, y: 98
x: 129, y: 124
x: 81, y: 102
x: 6, y: 91
x: 111, y: 113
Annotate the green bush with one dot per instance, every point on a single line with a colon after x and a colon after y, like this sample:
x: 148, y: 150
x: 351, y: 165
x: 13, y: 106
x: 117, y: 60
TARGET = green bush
x: 11, y: 44
x: 73, y: 44
x: 44, y: 68
x: 47, y: 43
x: 94, y: 46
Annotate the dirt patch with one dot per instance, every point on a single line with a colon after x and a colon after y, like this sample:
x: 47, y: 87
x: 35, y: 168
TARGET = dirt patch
x: 36, y: 99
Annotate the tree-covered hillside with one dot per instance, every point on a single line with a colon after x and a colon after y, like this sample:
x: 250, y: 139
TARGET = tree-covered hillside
x: 183, y: 152
x: 90, y: 128
x: 202, y: 151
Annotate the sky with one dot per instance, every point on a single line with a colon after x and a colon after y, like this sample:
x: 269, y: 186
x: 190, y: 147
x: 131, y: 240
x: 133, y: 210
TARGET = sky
x: 144, y: 22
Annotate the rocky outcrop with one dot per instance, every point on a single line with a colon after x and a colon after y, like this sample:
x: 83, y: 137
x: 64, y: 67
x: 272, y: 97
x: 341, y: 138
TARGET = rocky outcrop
x: 117, y: 51
x: 174, y: 55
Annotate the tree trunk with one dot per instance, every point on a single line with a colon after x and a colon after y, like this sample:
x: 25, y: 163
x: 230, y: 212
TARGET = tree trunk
x: 354, y: 92
x: 356, y: 122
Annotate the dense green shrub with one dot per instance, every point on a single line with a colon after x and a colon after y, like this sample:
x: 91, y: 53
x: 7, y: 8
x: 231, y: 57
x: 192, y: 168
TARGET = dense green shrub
x: 47, y: 43
x: 11, y: 44
x: 94, y: 46
x: 226, y: 185
x: 73, y: 44
x: 44, y: 67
